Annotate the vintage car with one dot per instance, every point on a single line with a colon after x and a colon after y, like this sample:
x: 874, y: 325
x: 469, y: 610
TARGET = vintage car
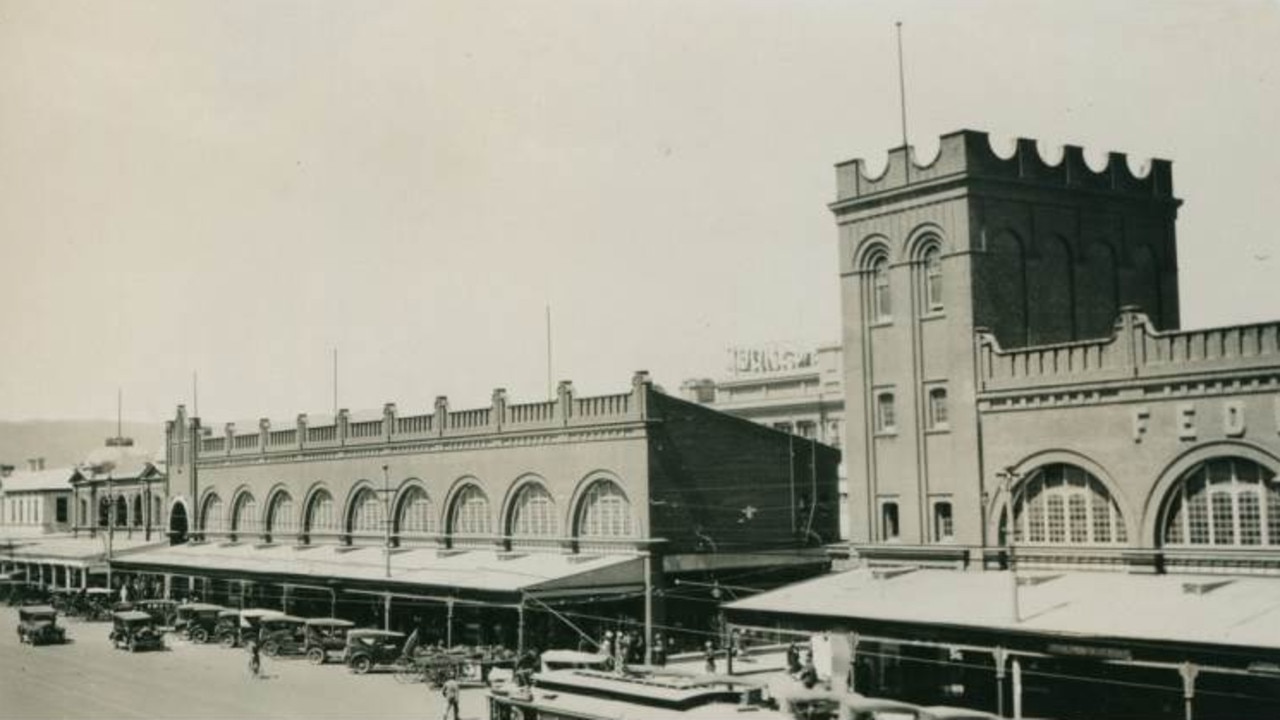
x: 97, y: 603
x: 164, y: 611
x: 282, y: 635
x: 135, y: 630
x: 368, y: 649
x: 198, y: 621
x: 235, y: 627
x: 325, y: 637
x: 38, y: 625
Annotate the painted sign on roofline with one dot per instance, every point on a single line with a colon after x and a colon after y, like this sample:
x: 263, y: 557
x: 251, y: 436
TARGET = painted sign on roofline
x: 768, y: 359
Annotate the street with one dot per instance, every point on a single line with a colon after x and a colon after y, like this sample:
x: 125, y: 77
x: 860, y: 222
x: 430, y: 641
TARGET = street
x: 87, y: 678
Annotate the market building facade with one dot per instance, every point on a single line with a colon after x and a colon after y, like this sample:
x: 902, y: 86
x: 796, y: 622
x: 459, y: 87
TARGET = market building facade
x: 494, y: 524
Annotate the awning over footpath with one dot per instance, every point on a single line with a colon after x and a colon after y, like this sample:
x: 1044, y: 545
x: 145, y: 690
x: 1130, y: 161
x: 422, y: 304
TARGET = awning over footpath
x: 83, y: 552
x: 484, y: 571
x: 1142, y: 610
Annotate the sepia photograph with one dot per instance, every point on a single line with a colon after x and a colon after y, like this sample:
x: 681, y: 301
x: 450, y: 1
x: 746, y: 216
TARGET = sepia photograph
x: 639, y: 359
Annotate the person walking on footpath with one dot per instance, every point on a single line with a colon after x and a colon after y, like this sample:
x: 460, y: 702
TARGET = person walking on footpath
x: 450, y: 692
x: 710, y: 653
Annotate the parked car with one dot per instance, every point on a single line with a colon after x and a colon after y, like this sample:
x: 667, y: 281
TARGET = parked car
x: 325, y: 637
x: 368, y: 649
x: 282, y: 635
x: 235, y: 627
x: 38, y: 625
x: 198, y: 621
x: 135, y: 630
x: 164, y: 611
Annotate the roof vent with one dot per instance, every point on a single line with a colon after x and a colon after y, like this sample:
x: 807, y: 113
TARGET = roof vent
x: 1203, y: 587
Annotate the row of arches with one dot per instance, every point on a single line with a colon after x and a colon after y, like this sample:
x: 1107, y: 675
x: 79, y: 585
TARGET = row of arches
x: 601, y: 510
x: 1221, y: 501
x: 125, y: 510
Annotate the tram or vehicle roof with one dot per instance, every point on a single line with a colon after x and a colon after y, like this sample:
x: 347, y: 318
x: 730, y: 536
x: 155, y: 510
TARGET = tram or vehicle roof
x: 37, y: 610
x: 132, y: 615
x: 201, y: 607
x: 592, y: 706
x: 330, y: 622
x: 260, y: 613
x: 658, y: 689
x: 367, y: 632
x: 284, y: 618
x: 947, y: 712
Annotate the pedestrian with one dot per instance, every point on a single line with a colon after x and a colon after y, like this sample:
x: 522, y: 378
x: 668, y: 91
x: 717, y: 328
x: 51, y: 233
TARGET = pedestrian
x: 709, y: 650
x: 659, y: 652
x: 606, y: 646
x: 624, y: 651
x: 450, y: 692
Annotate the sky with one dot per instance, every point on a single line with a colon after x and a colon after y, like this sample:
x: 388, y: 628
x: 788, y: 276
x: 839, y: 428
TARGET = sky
x: 234, y: 189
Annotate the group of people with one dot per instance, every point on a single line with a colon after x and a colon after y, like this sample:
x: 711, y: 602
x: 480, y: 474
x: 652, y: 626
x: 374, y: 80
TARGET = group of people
x: 628, y: 648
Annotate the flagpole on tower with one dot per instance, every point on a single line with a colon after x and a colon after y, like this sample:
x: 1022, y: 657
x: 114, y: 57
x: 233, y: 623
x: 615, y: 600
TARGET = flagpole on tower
x: 902, y: 85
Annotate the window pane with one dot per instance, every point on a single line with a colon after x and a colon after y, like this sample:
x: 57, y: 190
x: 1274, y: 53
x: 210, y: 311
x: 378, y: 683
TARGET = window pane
x: 1057, y: 521
x: 606, y: 512
x: 1079, y: 519
x: 942, y: 521
x: 1224, y: 531
x: 534, y: 513
x: 938, y: 406
x: 1101, y: 520
x: 889, y: 520
x: 417, y: 515
x: 1273, y: 514
x: 1250, y: 518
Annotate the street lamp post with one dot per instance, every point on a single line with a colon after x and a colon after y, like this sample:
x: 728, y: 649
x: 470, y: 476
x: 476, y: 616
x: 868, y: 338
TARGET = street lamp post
x: 1009, y: 477
x: 111, y: 527
x: 386, y: 517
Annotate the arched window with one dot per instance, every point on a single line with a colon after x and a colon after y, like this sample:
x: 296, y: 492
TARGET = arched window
x: 211, y: 514
x: 938, y: 416
x: 932, y: 261
x: 122, y: 511
x: 282, y: 519
x: 104, y: 512
x: 533, y: 513
x: 881, y: 303
x: 470, y: 514
x: 157, y: 511
x: 321, y: 517
x: 604, y: 512
x: 245, y: 517
x: 417, y: 512
x: 1064, y: 504
x: 366, y: 513
x: 83, y: 517
x: 137, y: 511
x: 1224, y: 501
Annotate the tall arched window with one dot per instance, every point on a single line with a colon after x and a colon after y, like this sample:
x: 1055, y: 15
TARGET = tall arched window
x: 605, y: 512
x: 366, y: 513
x: 104, y: 512
x: 245, y: 518
x: 1224, y: 501
x: 533, y: 513
x: 417, y: 512
x: 211, y: 514
x: 932, y: 261
x: 321, y: 516
x: 1064, y: 504
x: 83, y: 517
x: 881, y: 303
x: 282, y: 519
x: 122, y: 511
x: 157, y: 511
x: 137, y: 511
x: 470, y: 514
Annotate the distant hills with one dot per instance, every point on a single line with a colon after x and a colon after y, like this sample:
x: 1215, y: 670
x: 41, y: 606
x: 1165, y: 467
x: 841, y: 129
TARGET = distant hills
x: 64, y: 443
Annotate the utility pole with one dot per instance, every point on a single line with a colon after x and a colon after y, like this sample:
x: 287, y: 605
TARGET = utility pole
x: 1010, y: 478
x: 111, y: 528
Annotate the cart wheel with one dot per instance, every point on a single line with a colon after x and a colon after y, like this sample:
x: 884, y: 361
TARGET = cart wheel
x: 315, y: 656
x: 200, y: 635
x: 227, y: 640
x: 406, y: 673
x: 271, y: 648
x: 362, y: 665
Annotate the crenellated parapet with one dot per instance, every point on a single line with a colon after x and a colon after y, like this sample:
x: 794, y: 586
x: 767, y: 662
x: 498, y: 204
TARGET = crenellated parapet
x: 1136, y: 350
x: 968, y: 154
x: 501, y: 417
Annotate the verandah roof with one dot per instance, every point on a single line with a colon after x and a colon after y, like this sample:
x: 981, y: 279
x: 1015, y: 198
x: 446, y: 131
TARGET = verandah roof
x: 483, y: 570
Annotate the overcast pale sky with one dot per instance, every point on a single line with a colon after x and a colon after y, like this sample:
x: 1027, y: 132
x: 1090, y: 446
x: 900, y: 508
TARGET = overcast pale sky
x: 235, y: 188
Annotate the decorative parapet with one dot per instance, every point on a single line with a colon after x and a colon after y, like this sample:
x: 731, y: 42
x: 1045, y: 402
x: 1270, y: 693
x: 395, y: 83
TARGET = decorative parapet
x: 968, y: 153
x: 1135, y: 351
x: 501, y: 417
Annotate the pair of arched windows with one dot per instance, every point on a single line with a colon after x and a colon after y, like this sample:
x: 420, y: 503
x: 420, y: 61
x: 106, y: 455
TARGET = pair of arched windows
x: 929, y: 282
